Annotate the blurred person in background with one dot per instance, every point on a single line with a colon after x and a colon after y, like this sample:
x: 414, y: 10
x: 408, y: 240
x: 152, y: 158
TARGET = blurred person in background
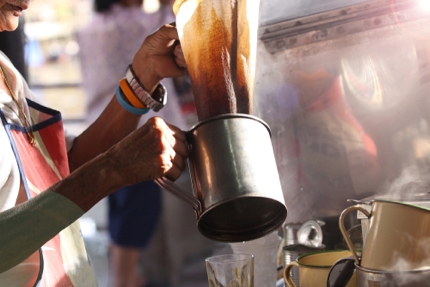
x: 107, y: 45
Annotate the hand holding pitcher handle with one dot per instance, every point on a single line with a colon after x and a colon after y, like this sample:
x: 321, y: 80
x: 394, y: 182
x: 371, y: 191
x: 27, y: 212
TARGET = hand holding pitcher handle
x: 179, y: 192
x: 345, y: 233
x: 287, y: 274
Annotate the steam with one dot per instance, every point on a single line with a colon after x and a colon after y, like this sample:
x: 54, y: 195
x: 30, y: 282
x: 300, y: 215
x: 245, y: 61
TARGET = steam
x: 406, y: 274
x: 412, y: 185
x: 421, y: 257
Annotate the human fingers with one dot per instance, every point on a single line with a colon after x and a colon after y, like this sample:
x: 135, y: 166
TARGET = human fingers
x: 178, y: 151
x: 175, y: 142
x: 179, y: 55
x: 147, y: 153
x: 155, y: 59
x: 178, y: 141
x: 177, y: 167
x: 177, y: 132
x: 167, y: 50
x: 174, y: 162
x: 162, y: 39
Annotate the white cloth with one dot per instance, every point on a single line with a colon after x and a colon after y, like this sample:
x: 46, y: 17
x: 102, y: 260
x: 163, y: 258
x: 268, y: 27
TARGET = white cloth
x: 9, y: 175
x: 47, y: 207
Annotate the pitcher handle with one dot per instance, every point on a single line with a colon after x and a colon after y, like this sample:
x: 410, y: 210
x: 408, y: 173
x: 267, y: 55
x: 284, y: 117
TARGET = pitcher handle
x: 345, y: 233
x: 181, y: 194
x: 287, y: 274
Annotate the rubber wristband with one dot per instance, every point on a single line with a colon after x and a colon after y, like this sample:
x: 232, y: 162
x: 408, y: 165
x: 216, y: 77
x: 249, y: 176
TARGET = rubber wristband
x: 129, y: 94
x: 129, y: 108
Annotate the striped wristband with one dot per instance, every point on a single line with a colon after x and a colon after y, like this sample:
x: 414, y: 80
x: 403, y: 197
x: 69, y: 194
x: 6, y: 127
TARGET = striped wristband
x: 129, y: 94
x: 129, y: 108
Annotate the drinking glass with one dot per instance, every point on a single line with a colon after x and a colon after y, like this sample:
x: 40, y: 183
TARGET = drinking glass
x: 230, y: 270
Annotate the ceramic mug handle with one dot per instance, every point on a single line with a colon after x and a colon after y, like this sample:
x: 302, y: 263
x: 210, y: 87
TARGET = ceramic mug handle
x: 287, y: 274
x: 345, y: 233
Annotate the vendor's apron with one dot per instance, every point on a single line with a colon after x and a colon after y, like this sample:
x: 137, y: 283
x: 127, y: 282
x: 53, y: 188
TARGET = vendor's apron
x: 63, y: 261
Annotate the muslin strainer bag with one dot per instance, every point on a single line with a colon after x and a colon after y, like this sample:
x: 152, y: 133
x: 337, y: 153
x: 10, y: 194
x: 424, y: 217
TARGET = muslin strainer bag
x: 219, y: 39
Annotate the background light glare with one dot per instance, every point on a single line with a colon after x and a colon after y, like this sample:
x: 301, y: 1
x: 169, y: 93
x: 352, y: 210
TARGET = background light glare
x: 424, y: 5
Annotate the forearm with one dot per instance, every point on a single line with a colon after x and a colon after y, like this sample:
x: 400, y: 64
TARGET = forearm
x: 26, y: 227
x: 112, y: 126
x: 90, y: 183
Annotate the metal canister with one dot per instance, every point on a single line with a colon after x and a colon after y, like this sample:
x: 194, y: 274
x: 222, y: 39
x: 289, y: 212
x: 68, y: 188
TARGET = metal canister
x: 310, y: 234
x: 307, y: 233
x: 290, y: 233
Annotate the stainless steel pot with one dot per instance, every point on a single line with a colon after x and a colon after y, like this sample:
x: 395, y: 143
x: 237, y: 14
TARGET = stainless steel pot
x: 373, y: 278
x: 237, y: 194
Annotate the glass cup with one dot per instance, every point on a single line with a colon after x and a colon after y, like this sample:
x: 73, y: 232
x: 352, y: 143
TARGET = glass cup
x: 265, y: 251
x: 230, y: 270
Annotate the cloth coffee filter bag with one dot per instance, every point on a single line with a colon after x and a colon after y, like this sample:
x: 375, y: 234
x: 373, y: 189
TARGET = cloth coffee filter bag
x: 219, y: 39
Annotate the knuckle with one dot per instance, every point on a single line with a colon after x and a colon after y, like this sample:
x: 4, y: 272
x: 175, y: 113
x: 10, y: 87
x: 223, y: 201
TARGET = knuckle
x: 163, y: 163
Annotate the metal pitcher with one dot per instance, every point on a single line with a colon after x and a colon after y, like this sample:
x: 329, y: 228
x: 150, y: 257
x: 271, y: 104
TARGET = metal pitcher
x: 397, y: 237
x: 237, y: 193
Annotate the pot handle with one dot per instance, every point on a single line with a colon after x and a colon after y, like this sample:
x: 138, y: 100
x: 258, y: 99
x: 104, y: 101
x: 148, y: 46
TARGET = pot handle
x: 287, y: 274
x: 181, y: 194
x: 345, y: 233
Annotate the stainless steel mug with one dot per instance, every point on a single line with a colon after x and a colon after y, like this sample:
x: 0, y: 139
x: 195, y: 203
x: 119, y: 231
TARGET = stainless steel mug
x: 237, y: 193
x: 411, y: 278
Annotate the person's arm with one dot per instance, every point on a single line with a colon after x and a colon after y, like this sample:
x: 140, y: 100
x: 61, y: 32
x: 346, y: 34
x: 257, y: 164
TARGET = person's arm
x: 159, y: 57
x: 154, y: 150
